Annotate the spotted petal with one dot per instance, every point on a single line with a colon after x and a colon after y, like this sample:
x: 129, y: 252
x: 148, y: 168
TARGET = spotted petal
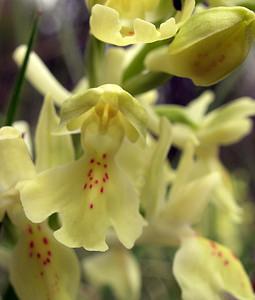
x: 41, y: 265
x: 90, y: 195
x: 207, y: 270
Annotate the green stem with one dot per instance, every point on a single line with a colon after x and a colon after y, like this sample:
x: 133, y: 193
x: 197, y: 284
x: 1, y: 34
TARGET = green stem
x: 145, y: 82
x: 95, y: 52
x: 137, y: 64
x: 15, y: 98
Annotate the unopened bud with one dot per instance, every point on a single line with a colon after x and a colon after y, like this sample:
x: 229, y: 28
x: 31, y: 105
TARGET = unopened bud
x: 209, y: 46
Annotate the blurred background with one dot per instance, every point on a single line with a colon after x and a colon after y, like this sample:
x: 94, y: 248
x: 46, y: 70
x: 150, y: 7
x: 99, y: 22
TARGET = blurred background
x: 61, y: 43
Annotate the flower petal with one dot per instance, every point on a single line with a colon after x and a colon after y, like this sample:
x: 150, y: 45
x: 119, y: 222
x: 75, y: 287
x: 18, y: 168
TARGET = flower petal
x: 118, y: 269
x: 84, y: 219
x: 154, y: 189
x: 23, y: 128
x: 40, y: 77
x: 105, y: 24
x: 207, y: 270
x: 237, y: 110
x: 191, y: 201
x: 123, y: 208
x: 225, y: 134
x: 15, y: 161
x: 41, y: 265
x: 198, y: 107
x: 51, y: 150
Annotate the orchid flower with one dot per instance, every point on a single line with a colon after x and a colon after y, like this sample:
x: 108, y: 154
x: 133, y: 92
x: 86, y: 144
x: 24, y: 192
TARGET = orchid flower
x: 123, y: 23
x: 171, y: 216
x: 38, y: 261
x: 99, y: 193
x: 207, y: 270
x: 118, y: 269
x: 208, y: 131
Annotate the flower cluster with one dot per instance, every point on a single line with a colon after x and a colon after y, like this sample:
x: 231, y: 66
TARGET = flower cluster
x: 116, y: 187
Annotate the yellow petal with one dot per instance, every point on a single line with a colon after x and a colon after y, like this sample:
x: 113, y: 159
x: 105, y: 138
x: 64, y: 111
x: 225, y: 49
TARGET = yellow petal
x: 16, y: 163
x: 207, y: 270
x: 51, y: 150
x: 40, y: 77
x: 41, y: 266
x: 117, y: 269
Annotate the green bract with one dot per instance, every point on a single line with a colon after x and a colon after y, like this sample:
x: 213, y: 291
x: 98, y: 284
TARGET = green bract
x: 123, y: 23
x: 209, y: 46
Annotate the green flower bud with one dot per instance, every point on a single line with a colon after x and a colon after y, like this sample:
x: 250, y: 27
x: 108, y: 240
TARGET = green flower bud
x: 209, y: 46
x: 247, y: 3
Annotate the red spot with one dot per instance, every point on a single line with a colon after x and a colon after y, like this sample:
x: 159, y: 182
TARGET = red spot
x: 91, y: 206
x: 92, y: 161
x: 106, y: 176
x: 31, y: 245
x: 101, y: 190
x: 45, y: 241
x: 105, y: 166
x: 85, y: 186
x: 213, y: 245
x: 220, y: 254
x: 90, y: 178
x: 41, y: 274
x: 104, y: 156
x: 30, y: 230
x: 130, y: 33
x: 104, y: 180
x: 226, y: 262
x: 38, y: 255
x: 31, y: 254
x: 90, y: 186
x: 45, y: 263
x: 48, y: 260
x: 49, y: 253
x: 96, y: 181
x: 98, y: 163
x: 90, y: 172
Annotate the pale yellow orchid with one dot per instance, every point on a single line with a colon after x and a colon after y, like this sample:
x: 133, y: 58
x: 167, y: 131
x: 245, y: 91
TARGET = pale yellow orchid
x: 98, y: 194
x: 171, y: 216
x: 122, y: 22
x: 38, y: 261
x: 223, y: 126
x: 207, y: 270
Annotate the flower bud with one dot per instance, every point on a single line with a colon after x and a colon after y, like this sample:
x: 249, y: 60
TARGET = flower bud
x: 247, y: 3
x: 209, y: 46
